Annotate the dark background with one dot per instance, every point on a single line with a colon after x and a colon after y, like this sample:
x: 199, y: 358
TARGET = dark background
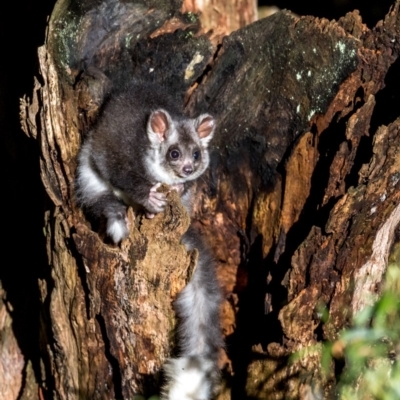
x: 22, y: 30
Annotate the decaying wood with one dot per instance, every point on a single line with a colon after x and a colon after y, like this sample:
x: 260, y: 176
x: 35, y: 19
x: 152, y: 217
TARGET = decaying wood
x: 222, y: 17
x: 11, y: 358
x: 320, y: 232
x: 300, y: 202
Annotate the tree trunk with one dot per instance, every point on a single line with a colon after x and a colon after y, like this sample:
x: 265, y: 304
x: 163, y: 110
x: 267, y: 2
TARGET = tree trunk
x: 300, y: 204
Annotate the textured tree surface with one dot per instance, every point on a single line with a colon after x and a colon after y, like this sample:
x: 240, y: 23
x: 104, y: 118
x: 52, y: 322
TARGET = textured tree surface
x: 222, y: 17
x: 11, y: 359
x: 300, y: 204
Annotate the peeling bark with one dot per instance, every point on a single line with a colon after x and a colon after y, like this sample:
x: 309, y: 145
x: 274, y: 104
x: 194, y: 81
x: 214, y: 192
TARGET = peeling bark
x: 222, y: 17
x: 11, y: 358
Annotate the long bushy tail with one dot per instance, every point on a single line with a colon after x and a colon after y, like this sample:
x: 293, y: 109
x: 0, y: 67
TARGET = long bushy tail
x: 195, y: 374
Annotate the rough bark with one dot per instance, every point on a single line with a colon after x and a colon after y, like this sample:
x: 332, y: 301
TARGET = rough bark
x: 11, y: 358
x: 300, y: 203
x: 222, y: 17
x: 306, y: 198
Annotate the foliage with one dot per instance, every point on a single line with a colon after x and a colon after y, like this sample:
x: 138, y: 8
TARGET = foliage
x: 371, y: 348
